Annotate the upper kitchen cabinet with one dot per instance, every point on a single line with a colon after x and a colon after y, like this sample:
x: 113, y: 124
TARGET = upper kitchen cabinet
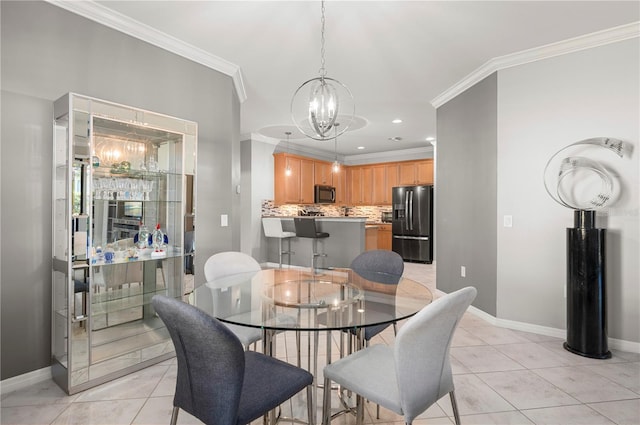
x: 322, y: 173
x: 415, y: 172
x: 123, y: 192
x: 340, y: 183
x: 384, y: 178
x: 294, y: 179
x: 360, y: 180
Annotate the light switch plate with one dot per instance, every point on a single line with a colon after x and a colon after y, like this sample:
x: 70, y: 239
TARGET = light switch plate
x: 508, y: 221
x: 224, y: 220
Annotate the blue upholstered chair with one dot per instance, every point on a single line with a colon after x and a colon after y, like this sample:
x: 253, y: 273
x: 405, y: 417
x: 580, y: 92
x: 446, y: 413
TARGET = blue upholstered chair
x: 218, y: 382
x: 380, y: 266
x: 413, y: 374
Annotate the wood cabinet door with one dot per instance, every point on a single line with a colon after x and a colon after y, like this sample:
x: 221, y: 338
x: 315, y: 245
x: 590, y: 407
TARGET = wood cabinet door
x: 339, y: 180
x: 367, y: 185
x: 384, y: 237
x: 370, y: 238
x: 292, y: 181
x: 424, y: 172
x: 322, y: 173
x: 406, y: 173
x: 306, y: 181
x: 379, y: 184
x: 391, y: 182
x: 355, y: 185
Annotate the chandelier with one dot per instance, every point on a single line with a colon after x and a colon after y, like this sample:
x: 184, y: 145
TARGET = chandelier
x: 317, y: 103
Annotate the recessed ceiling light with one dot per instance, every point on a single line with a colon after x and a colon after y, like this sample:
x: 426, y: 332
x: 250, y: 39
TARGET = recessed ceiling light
x: 430, y: 139
x: 360, y: 147
x: 397, y: 121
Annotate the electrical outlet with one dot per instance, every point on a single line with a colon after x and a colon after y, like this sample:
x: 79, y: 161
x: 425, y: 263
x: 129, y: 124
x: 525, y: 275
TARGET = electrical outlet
x: 463, y: 271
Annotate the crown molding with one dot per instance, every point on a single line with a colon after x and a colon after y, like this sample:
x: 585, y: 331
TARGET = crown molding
x: 96, y: 12
x: 259, y: 138
x: 390, y: 156
x: 588, y: 41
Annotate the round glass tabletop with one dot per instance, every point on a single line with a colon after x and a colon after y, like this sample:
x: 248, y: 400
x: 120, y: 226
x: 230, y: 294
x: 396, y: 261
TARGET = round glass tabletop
x: 299, y: 299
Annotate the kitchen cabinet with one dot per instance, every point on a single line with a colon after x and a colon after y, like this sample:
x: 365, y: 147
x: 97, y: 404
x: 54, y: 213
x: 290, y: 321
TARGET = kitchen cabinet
x: 361, y: 185
x: 340, y: 183
x: 114, y: 168
x: 415, y: 172
x: 322, y: 173
x: 384, y: 178
x: 297, y: 187
x: 371, y: 238
x: 384, y: 236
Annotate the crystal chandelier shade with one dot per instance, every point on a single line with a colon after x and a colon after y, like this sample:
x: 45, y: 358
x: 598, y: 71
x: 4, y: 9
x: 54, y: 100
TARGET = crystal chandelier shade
x: 317, y: 103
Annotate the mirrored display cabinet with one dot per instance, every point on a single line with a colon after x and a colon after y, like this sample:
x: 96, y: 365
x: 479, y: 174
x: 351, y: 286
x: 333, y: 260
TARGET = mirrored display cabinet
x: 123, y: 231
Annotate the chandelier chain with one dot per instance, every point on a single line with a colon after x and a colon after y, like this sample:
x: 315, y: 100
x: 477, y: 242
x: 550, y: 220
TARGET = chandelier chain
x: 323, y: 71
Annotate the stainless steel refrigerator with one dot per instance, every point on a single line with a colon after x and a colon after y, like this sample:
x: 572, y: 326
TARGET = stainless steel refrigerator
x: 412, y: 222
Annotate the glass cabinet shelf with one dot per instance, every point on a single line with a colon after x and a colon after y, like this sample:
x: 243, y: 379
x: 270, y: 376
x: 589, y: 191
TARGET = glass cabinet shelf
x: 118, y: 172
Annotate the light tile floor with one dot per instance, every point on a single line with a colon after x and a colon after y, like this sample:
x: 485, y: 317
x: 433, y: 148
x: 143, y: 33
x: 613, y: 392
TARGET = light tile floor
x: 502, y: 376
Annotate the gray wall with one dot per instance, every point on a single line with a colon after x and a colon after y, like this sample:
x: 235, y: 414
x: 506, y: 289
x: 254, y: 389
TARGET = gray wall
x: 494, y: 141
x: 47, y: 52
x: 466, y: 165
x: 257, y: 185
x: 542, y: 107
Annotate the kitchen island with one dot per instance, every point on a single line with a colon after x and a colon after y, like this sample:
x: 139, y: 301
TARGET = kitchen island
x: 346, y: 242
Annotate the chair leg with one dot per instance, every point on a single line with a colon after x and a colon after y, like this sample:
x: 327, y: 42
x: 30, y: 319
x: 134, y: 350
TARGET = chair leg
x: 326, y: 402
x: 310, y: 411
x: 174, y: 415
x: 289, y: 252
x: 454, y: 405
x: 359, y: 410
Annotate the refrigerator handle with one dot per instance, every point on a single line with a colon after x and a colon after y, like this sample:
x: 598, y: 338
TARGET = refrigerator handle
x: 411, y: 210
x: 406, y: 210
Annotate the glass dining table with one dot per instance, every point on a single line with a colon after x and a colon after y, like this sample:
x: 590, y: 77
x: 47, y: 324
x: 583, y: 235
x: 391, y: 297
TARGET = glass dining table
x: 307, y: 300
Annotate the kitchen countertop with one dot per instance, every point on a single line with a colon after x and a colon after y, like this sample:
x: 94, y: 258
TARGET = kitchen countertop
x: 322, y: 217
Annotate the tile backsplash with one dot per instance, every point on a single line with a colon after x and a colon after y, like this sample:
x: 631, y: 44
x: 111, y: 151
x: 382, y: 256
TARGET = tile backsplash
x: 372, y: 213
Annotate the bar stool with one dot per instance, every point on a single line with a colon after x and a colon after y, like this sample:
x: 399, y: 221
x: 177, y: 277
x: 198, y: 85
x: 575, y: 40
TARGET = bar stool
x: 306, y: 228
x: 273, y: 229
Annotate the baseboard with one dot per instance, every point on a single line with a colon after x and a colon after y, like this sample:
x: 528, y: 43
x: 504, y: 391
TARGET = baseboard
x: 22, y: 381
x: 616, y: 344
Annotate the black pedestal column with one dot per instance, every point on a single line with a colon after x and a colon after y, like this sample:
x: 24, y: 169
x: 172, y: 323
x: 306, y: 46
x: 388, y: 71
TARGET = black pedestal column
x: 586, y: 295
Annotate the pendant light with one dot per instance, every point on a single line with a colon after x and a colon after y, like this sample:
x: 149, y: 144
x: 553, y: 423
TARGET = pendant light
x: 287, y: 169
x: 336, y: 165
x: 317, y: 103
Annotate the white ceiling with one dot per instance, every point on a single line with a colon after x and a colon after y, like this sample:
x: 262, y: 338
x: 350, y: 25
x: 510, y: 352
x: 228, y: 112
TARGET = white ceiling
x: 395, y: 56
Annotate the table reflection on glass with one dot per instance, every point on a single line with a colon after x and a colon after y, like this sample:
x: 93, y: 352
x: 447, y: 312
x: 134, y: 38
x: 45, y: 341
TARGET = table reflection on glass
x: 277, y: 300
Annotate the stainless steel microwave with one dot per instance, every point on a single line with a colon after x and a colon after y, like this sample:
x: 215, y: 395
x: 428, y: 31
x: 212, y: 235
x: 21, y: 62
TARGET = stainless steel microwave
x: 324, y: 194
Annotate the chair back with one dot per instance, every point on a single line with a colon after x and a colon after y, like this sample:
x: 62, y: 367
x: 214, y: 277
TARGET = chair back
x: 272, y: 227
x: 305, y: 227
x: 229, y: 263
x: 370, y: 263
x: 211, y: 362
x: 421, y: 352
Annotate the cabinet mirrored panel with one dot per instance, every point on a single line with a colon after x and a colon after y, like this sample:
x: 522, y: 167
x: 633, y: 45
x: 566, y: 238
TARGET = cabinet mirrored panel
x: 123, y: 231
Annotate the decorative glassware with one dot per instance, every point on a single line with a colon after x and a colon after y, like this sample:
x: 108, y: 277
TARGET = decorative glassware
x: 158, y: 239
x: 143, y: 237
